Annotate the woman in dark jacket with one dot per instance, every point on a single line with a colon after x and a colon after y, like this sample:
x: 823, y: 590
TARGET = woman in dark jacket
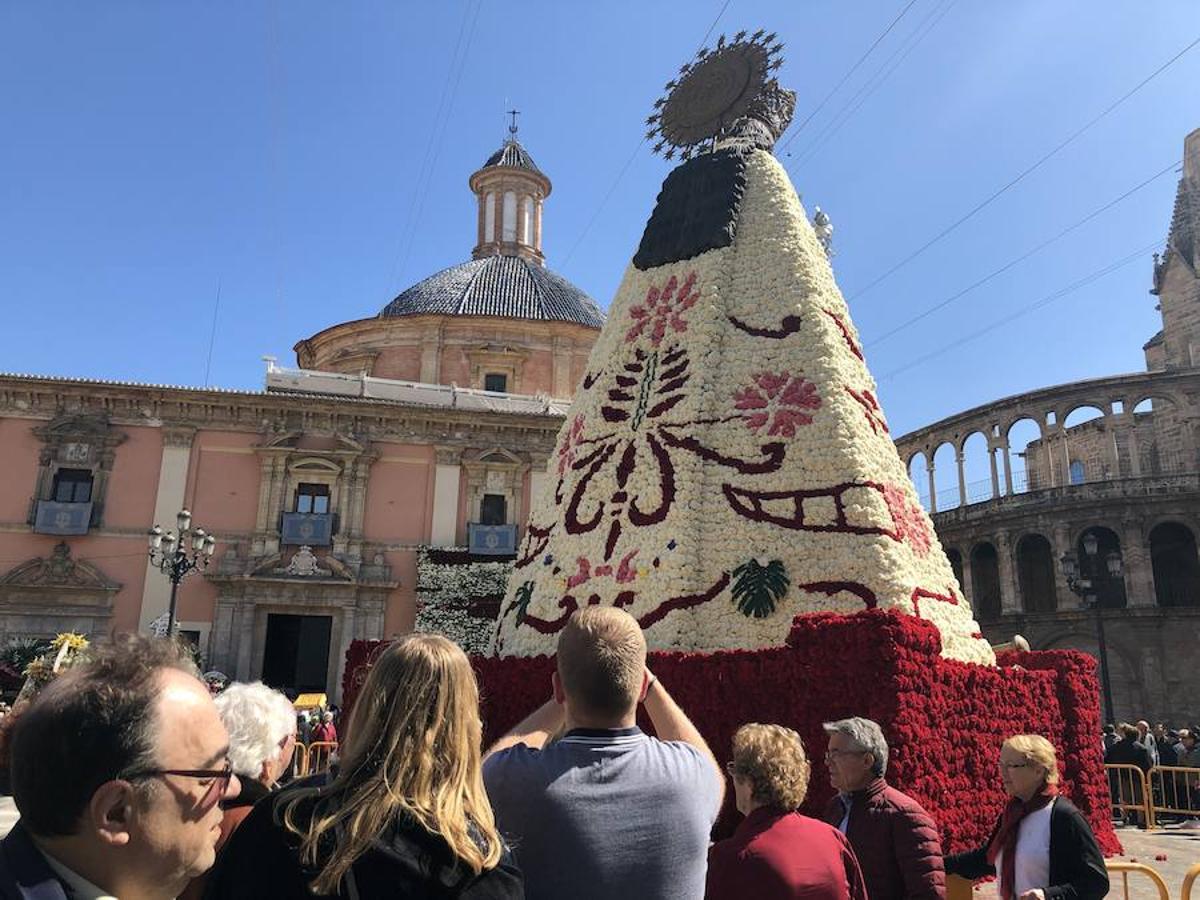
x: 1042, y: 848
x: 406, y: 814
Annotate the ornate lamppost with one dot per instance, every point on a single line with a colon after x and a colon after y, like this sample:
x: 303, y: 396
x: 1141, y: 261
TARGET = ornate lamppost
x: 174, y: 557
x: 1081, y: 584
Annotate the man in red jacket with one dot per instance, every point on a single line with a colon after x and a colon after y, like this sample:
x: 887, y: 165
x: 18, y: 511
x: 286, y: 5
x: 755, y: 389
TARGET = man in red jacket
x: 895, y: 840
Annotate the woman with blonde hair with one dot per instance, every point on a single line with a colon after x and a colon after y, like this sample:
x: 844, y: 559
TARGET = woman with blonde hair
x: 776, y: 853
x: 404, y: 815
x: 1042, y: 847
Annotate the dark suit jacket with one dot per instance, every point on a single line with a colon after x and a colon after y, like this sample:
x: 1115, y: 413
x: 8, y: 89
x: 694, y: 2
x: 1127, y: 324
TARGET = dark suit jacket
x: 24, y: 872
x: 1077, y: 869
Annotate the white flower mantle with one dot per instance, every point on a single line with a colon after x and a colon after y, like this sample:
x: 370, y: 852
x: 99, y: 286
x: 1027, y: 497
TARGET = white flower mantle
x: 725, y: 464
x: 447, y: 591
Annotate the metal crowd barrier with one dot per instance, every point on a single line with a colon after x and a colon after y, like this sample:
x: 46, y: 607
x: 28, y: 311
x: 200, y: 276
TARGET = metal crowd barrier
x: 320, y: 755
x: 1124, y: 869
x: 1189, y: 879
x: 1129, y: 791
x: 1174, y: 790
x: 299, y: 761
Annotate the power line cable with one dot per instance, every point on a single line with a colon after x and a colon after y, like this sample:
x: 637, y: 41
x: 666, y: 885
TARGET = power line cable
x: 1070, y: 139
x: 1025, y: 310
x: 882, y: 74
x: 636, y: 150
x: 1019, y: 259
x: 441, y: 118
x: 854, y: 68
x: 212, y: 336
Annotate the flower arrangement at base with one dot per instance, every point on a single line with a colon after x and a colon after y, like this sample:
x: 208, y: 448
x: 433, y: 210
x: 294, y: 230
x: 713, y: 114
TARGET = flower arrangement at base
x: 459, y: 594
x: 944, y: 719
x: 65, y: 650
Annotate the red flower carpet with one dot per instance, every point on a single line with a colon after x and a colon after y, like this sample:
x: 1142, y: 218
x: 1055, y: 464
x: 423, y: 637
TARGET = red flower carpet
x: 944, y: 719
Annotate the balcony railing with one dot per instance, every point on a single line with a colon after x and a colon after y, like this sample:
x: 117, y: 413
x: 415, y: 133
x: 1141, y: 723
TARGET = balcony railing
x: 53, y: 517
x: 492, y: 540
x: 313, y: 529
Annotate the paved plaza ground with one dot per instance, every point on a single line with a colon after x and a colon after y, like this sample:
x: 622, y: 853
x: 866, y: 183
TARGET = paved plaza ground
x: 1181, y: 849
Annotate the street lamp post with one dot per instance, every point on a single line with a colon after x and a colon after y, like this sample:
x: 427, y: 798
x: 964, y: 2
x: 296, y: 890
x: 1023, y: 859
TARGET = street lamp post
x: 178, y: 557
x: 1089, y: 600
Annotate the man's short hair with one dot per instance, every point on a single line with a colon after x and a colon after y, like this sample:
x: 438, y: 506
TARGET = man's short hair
x: 259, y: 719
x: 601, y: 660
x: 93, y: 724
x: 867, y: 737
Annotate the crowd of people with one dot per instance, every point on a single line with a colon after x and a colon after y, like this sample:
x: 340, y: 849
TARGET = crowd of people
x: 1145, y: 748
x: 133, y: 782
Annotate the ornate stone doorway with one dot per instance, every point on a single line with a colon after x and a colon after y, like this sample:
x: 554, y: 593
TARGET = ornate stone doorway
x: 296, y: 652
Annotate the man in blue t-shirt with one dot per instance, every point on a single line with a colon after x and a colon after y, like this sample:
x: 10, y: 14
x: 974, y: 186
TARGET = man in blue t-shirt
x: 606, y: 811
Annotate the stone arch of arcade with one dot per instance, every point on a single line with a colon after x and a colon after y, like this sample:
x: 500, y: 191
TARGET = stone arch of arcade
x: 1101, y: 410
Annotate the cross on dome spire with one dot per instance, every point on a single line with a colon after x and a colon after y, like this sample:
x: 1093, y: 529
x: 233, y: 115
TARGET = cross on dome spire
x: 512, y: 129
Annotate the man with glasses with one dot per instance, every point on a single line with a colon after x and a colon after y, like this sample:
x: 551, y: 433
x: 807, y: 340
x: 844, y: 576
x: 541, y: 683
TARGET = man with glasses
x: 895, y: 840
x: 118, y: 769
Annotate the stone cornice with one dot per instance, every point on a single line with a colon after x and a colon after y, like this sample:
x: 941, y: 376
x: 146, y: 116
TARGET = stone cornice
x: 132, y: 404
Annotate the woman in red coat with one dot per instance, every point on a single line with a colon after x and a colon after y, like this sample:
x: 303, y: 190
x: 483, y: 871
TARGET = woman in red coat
x: 776, y: 853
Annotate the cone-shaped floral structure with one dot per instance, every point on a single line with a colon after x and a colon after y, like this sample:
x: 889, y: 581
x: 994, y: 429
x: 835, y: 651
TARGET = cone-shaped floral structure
x: 725, y: 464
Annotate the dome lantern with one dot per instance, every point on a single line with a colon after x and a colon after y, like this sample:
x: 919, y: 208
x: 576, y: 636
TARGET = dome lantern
x: 510, y: 189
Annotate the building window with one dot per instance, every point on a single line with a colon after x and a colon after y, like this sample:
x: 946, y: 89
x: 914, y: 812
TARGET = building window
x: 527, y: 231
x: 312, y: 498
x: 1076, y: 471
x: 495, y: 381
x: 493, y: 510
x: 73, y: 486
x: 508, y: 230
x: 489, y: 218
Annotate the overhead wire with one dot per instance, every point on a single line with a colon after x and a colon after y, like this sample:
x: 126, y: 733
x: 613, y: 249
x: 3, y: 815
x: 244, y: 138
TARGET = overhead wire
x: 1046, y: 157
x: 924, y: 314
x: 629, y: 162
x: 872, y: 84
x: 449, y: 94
x: 1025, y: 310
x: 854, y: 68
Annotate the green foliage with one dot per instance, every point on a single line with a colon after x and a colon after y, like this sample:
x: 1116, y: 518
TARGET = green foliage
x: 757, y: 588
x: 521, y: 600
x: 21, y: 653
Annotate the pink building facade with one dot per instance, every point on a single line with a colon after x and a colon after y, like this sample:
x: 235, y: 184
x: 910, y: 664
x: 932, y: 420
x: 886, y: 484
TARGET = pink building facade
x: 427, y: 425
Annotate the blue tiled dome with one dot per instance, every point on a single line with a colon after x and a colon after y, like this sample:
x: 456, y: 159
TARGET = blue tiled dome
x: 513, y: 156
x: 507, y: 286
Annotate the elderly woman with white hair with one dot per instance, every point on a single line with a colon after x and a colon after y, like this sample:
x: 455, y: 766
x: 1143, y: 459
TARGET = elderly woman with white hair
x: 262, y: 737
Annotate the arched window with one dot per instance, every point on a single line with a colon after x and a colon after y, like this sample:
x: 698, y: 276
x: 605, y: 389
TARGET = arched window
x: 1077, y: 471
x: 527, y: 232
x: 956, y: 564
x: 1176, y: 568
x: 985, y: 582
x: 508, y: 231
x: 1035, y: 572
x: 489, y: 218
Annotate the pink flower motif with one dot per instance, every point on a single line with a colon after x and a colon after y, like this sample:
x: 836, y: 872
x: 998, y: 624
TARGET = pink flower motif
x: 911, y: 524
x: 623, y: 574
x: 780, y: 402
x: 663, y: 310
x: 566, y: 453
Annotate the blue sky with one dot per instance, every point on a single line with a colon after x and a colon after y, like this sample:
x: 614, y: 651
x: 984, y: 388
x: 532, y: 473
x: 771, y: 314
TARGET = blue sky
x: 279, y: 151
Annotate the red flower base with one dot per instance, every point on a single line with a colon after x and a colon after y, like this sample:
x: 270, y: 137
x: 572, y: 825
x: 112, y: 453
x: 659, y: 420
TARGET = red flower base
x: 945, y: 720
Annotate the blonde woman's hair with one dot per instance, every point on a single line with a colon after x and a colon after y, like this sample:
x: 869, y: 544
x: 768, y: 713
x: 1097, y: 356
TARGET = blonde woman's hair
x: 1037, y: 750
x: 772, y: 759
x: 601, y: 660
x: 413, y: 749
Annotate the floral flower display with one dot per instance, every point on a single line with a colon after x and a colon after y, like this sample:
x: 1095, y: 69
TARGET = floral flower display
x: 726, y: 464
x: 459, y: 595
x: 944, y: 719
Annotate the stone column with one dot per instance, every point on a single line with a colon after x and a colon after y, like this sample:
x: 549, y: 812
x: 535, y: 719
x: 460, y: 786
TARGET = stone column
x: 220, y: 642
x: 561, y: 383
x: 1139, y: 571
x: 962, y: 478
x: 932, y: 484
x: 444, y: 529
x: 968, y: 586
x: 172, y: 486
x: 1008, y: 478
x: 1061, y: 540
x: 995, y: 474
x: 1010, y: 601
x: 431, y: 354
x: 1135, y: 449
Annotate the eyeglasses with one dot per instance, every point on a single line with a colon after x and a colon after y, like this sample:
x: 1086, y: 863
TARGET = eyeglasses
x: 835, y: 754
x: 224, y: 774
